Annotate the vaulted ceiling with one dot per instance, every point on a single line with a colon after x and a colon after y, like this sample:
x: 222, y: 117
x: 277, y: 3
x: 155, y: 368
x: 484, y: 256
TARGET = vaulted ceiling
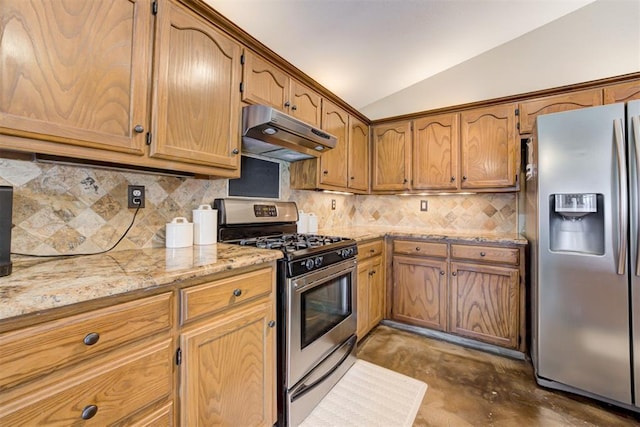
x: 391, y: 57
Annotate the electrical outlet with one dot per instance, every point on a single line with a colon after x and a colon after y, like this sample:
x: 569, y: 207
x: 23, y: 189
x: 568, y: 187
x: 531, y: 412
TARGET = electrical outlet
x: 423, y: 205
x: 135, y: 196
x: 333, y: 204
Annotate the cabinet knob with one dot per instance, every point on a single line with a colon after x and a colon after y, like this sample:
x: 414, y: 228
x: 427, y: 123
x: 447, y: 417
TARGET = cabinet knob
x: 89, y: 412
x: 287, y: 104
x: 91, y: 338
x: 442, y: 272
x: 405, y: 181
x: 373, y: 272
x: 237, y: 292
x: 454, y: 274
x: 294, y: 107
x: 271, y: 323
x: 138, y: 129
x: 464, y: 177
x: 453, y: 178
x: 353, y: 177
x: 325, y: 172
x: 235, y: 151
x: 372, y: 250
x: 482, y: 254
x: 417, y: 248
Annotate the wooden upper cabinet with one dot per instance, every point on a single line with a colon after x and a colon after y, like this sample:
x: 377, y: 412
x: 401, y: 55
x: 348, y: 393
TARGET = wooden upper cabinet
x: 266, y: 84
x: 197, y: 97
x: 435, y: 152
x: 305, y: 104
x: 529, y: 110
x: 391, y: 152
x: 333, y: 163
x: 622, y: 92
x: 76, y: 72
x: 358, y: 168
x: 489, y: 152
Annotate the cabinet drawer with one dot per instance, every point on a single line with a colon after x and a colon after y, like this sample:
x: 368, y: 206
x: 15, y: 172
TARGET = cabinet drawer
x: 420, y: 248
x: 211, y: 297
x: 41, y: 349
x: 370, y: 249
x: 486, y: 254
x: 116, y: 388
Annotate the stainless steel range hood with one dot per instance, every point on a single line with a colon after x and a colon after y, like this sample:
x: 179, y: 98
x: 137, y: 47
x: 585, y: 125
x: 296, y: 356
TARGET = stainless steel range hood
x: 271, y: 133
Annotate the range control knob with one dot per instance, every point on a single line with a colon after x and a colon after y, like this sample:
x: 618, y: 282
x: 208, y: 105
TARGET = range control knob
x: 346, y: 253
x: 309, y: 264
x: 318, y: 261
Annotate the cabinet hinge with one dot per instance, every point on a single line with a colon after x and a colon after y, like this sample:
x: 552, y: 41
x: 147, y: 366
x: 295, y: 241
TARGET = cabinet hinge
x: 242, y: 59
x: 517, y: 111
x: 179, y: 356
x: 148, y: 141
x: 241, y: 87
x: 154, y: 8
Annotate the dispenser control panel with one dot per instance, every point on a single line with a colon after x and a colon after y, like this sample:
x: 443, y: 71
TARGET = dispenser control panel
x: 581, y: 204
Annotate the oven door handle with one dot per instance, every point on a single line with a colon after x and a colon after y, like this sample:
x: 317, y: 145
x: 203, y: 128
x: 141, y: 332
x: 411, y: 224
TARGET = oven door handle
x: 305, y: 387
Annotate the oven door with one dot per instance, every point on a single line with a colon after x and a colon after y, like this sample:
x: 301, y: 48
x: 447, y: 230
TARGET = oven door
x: 321, y: 316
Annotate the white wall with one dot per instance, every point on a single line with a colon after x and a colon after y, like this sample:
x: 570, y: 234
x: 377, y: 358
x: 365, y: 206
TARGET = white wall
x: 600, y: 40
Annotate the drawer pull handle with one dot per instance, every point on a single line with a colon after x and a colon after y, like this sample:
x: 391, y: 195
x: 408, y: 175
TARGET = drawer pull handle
x: 89, y: 412
x: 372, y: 250
x: 237, y: 292
x: 454, y: 274
x: 271, y: 323
x: 418, y: 248
x: 482, y: 254
x: 91, y: 338
x: 442, y: 272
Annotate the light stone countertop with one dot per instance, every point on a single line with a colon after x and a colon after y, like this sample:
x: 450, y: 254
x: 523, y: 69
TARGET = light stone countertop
x: 361, y: 233
x: 38, y: 284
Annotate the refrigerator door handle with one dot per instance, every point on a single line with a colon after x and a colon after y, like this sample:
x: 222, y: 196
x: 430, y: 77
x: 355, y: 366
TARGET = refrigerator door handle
x: 622, y: 196
x: 635, y: 121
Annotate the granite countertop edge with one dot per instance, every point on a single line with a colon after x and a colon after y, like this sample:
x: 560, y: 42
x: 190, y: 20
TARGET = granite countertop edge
x: 38, y: 285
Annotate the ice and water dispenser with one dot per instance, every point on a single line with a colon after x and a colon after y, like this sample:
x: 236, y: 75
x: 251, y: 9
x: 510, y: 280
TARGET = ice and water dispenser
x: 576, y: 223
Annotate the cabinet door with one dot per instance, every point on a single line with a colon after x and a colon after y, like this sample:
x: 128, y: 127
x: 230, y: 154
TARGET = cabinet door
x: 76, y: 72
x: 364, y: 270
x: 420, y: 291
x: 391, y: 153
x: 489, y: 154
x: 264, y: 83
x: 358, y: 155
x: 306, y: 104
x: 622, y: 92
x: 333, y: 163
x: 197, y: 98
x: 435, y: 152
x: 228, y: 365
x: 376, y: 292
x: 552, y: 104
x: 485, y: 303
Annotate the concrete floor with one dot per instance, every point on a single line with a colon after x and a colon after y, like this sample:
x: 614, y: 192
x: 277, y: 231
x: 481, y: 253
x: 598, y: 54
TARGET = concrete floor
x: 473, y: 388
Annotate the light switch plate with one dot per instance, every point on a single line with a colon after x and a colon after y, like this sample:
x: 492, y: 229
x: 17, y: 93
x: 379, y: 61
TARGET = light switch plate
x: 423, y: 205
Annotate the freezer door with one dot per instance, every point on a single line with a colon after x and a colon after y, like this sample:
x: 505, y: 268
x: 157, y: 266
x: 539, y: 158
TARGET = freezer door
x: 633, y: 137
x: 582, y: 314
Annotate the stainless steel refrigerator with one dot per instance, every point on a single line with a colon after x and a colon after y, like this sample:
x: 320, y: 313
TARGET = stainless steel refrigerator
x: 582, y: 223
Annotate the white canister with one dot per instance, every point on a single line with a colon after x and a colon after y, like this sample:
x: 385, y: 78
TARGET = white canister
x: 312, y: 223
x: 179, y: 233
x: 303, y: 222
x: 205, y: 225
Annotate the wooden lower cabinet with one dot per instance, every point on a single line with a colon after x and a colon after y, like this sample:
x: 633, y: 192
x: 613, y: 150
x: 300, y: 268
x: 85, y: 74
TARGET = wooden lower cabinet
x: 485, y: 303
x: 228, y: 366
x: 371, y: 292
x: 420, y: 291
x: 473, y: 291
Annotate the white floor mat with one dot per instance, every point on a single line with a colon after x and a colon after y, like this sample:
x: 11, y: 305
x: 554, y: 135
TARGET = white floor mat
x: 367, y: 396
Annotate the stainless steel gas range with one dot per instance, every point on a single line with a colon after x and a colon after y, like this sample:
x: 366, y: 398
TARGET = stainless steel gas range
x: 316, y: 299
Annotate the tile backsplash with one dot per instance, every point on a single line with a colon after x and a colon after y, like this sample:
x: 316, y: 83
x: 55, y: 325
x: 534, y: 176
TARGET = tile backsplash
x: 63, y: 209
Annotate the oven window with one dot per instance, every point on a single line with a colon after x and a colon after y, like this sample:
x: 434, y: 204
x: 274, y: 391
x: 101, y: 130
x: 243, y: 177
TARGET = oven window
x: 324, y: 307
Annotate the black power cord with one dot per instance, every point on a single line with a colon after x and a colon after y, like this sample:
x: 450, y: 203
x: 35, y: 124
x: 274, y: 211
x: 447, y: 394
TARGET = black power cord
x: 86, y: 254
